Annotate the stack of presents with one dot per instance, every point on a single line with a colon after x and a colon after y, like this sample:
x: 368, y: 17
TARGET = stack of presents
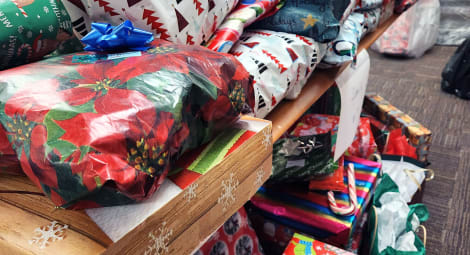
x: 99, y: 99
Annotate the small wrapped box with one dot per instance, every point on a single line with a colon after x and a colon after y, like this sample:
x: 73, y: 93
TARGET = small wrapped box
x: 418, y: 136
x: 300, y: 245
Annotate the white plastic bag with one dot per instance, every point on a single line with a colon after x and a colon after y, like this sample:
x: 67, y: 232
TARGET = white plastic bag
x: 414, y: 32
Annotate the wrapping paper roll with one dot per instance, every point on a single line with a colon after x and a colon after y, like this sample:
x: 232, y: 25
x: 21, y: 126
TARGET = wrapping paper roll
x: 31, y: 29
x: 184, y: 22
x: 247, y: 12
x: 280, y: 64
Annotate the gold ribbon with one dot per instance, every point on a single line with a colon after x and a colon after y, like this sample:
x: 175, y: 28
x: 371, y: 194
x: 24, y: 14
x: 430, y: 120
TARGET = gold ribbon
x: 424, y: 233
x: 410, y: 173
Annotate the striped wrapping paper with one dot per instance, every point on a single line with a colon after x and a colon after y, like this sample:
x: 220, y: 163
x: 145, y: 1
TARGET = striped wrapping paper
x: 309, y: 212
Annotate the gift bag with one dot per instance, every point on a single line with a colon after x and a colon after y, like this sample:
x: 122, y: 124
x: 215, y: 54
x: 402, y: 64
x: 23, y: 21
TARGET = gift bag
x: 319, y: 19
x: 31, y: 29
x: 184, y: 22
x: 393, y: 224
x: 297, y: 159
x: 409, y: 174
x: 235, y: 23
x: 413, y: 33
x: 235, y: 237
x: 280, y: 64
x: 95, y: 130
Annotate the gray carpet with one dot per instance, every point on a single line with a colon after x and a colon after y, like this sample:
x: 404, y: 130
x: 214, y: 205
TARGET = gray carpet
x: 413, y: 85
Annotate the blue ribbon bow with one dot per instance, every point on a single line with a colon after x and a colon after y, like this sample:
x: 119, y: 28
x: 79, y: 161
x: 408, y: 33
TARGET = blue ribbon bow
x: 105, y: 37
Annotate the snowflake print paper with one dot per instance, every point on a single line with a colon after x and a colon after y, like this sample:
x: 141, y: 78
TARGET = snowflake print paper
x: 190, y: 192
x: 159, y: 241
x: 227, y: 197
x: 267, y: 138
x: 259, y: 178
x: 48, y: 234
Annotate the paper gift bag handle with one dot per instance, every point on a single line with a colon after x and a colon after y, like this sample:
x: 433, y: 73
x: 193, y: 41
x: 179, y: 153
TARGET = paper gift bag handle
x: 353, y: 206
x: 410, y: 173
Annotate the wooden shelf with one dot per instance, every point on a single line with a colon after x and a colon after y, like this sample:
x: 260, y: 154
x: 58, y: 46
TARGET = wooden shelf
x: 188, y: 204
x: 289, y: 111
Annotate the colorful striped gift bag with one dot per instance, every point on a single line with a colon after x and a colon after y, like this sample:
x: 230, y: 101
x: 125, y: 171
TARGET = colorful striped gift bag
x: 310, y: 213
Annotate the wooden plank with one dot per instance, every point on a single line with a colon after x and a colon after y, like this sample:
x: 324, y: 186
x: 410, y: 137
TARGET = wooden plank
x: 289, y: 111
x: 179, y: 214
x: 42, y: 206
x: 215, y: 217
x: 17, y: 228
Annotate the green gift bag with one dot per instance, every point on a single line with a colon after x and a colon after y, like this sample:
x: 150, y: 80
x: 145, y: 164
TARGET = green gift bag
x: 393, y: 224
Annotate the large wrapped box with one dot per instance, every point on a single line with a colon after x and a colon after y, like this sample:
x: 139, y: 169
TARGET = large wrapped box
x: 309, y: 212
x: 418, y: 136
x: 99, y: 130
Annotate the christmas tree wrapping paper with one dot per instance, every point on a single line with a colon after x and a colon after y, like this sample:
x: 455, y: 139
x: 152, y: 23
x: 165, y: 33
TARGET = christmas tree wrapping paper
x: 318, y: 19
x: 280, y: 63
x: 31, y: 29
x: 309, y: 212
x: 303, y: 245
x: 99, y: 130
x: 235, y: 237
x: 247, y: 12
x: 184, y: 22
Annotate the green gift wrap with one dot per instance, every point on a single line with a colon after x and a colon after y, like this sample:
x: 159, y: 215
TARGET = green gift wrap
x: 31, y: 29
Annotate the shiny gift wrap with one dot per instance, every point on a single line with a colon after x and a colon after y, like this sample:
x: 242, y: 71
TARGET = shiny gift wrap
x: 310, y: 213
x: 247, y: 12
x: 100, y: 130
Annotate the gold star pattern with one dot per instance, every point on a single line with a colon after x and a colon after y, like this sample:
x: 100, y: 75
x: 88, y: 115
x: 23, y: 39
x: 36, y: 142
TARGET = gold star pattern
x: 309, y: 21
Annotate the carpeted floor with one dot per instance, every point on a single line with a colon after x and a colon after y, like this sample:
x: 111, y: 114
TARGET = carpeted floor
x: 413, y: 85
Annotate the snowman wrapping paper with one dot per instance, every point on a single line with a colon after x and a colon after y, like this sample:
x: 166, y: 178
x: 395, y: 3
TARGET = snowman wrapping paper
x: 280, y: 63
x: 180, y: 21
x: 235, y: 237
x: 31, y: 29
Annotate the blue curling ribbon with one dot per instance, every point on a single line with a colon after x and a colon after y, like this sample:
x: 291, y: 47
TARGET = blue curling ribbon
x: 105, y: 37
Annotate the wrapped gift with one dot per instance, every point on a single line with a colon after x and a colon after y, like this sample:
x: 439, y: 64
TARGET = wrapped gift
x: 8, y: 161
x: 236, y: 236
x: 184, y: 22
x: 310, y: 213
x: 303, y: 245
x: 363, y: 144
x: 297, y: 159
x: 344, y: 47
x: 418, y: 136
x: 31, y: 29
x: 103, y: 129
x: 371, y: 19
x: 243, y: 16
x: 280, y: 64
x: 319, y: 20
x: 368, y: 4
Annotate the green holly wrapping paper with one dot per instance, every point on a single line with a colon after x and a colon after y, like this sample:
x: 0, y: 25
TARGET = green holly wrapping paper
x: 101, y: 130
x: 31, y: 29
x: 303, y: 158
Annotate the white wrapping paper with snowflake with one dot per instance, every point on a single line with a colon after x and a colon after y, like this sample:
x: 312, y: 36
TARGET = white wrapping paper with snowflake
x: 186, y: 22
x: 281, y: 63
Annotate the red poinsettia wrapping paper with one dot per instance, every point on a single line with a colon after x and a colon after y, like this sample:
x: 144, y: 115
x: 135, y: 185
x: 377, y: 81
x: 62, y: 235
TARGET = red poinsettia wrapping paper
x: 185, y: 22
x: 100, y: 130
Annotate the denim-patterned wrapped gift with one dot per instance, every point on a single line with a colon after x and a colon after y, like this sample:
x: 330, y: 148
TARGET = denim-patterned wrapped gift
x: 317, y: 19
